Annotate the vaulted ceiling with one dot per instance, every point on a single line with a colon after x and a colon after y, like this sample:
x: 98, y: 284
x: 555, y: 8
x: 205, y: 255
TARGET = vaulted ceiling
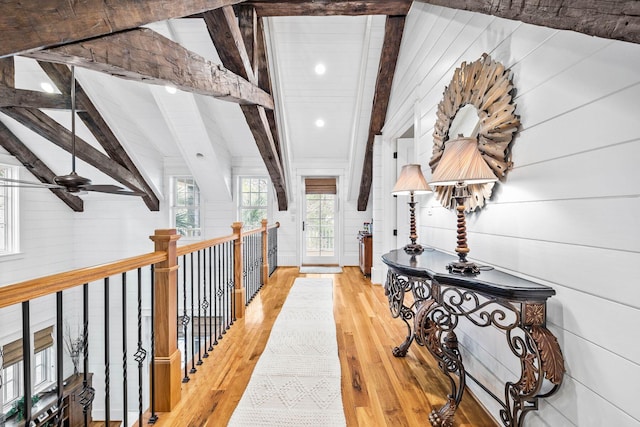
x: 245, y: 80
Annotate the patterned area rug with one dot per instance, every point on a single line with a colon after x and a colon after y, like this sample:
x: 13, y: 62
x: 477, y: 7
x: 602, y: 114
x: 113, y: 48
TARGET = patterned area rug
x: 296, y: 381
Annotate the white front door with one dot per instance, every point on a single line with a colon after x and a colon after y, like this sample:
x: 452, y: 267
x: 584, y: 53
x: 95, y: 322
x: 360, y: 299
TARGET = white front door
x: 320, y: 239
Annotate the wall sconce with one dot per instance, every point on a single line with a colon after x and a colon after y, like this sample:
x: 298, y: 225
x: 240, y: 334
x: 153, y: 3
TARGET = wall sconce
x: 410, y: 182
x: 462, y: 164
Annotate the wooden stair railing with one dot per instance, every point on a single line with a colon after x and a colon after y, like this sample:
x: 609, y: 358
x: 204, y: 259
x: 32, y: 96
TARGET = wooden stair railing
x: 165, y: 375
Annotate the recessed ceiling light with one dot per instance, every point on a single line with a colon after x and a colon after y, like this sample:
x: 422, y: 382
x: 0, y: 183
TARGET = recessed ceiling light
x: 320, y: 69
x: 47, y: 87
x: 320, y: 123
x: 171, y: 89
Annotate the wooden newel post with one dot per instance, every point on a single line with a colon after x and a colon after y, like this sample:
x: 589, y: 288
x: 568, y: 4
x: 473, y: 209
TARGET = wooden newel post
x: 265, y: 253
x: 167, y: 355
x: 237, y: 270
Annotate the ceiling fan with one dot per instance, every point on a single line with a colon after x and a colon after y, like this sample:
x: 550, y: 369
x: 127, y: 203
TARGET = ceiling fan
x: 72, y: 183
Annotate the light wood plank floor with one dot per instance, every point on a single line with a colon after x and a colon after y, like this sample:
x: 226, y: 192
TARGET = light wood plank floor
x: 378, y: 389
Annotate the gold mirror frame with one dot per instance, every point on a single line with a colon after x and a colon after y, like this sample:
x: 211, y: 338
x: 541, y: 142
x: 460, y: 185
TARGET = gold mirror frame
x: 487, y: 85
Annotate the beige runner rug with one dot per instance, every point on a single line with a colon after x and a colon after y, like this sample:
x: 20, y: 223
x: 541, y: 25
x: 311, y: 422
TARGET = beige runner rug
x: 296, y: 381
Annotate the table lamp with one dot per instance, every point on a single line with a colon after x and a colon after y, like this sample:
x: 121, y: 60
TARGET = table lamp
x: 462, y: 164
x: 410, y: 182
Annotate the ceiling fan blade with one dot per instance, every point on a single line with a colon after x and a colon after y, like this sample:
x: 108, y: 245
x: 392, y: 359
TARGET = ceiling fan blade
x: 111, y: 189
x: 9, y: 182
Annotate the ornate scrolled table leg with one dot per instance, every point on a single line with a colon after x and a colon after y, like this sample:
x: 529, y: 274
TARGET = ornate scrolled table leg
x: 540, y: 358
x: 395, y: 288
x: 434, y: 329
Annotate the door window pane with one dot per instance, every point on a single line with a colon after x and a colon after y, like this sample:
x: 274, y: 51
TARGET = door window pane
x: 320, y: 224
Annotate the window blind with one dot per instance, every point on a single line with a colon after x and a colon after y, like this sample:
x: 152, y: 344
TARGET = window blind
x: 43, y: 339
x: 12, y: 352
x: 320, y: 186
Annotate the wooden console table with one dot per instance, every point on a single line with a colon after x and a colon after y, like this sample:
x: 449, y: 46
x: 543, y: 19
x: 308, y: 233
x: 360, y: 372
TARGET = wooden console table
x: 431, y: 301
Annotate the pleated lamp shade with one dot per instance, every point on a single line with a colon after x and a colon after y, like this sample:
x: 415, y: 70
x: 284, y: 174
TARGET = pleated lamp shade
x: 462, y: 162
x: 411, y: 180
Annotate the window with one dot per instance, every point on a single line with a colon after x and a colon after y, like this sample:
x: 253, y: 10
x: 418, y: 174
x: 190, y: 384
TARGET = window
x: 42, y: 366
x: 11, y: 383
x: 186, y: 207
x: 8, y: 217
x: 253, y: 201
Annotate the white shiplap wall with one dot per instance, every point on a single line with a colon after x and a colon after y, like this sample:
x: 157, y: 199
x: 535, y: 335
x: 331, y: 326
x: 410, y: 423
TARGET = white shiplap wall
x: 566, y: 215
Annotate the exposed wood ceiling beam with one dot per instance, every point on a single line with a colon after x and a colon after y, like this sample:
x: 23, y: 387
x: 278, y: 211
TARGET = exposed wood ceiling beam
x: 146, y: 56
x: 29, y: 25
x: 259, y: 125
x: 330, y: 7
x: 229, y: 43
x: 10, y: 97
x: 264, y: 82
x: 227, y: 37
x: 619, y: 20
x: 388, y: 57
x: 60, y: 75
x: 248, y: 24
x: 16, y: 148
x: 48, y: 128
x: 253, y: 35
x: 7, y: 72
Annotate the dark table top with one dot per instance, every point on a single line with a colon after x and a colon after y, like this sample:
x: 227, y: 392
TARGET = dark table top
x: 432, y: 264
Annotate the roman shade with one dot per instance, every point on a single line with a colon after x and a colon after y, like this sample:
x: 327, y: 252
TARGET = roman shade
x: 43, y: 339
x: 320, y: 186
x: 12, y: 352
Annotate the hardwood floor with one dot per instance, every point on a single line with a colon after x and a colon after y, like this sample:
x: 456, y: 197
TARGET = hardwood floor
x: 378, y: 389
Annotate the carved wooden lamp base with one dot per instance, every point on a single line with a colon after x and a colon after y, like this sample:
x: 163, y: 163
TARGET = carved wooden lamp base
x: 462, y: 266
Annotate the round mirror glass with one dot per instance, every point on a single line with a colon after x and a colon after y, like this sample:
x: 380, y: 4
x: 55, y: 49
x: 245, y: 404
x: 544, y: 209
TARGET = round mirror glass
x: 466, y: 123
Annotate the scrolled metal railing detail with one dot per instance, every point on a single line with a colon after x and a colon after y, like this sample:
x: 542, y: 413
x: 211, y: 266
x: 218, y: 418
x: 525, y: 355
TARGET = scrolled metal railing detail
x: 87, y: 395
x: 481, y: 313
x: 395, y: 288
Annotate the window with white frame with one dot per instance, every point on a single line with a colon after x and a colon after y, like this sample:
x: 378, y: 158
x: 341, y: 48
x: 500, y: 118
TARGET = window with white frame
x: 8, y: 216
x: 42, y: 367
x: 253, y: 201
x: 11, y: 389
x: 185, y: 206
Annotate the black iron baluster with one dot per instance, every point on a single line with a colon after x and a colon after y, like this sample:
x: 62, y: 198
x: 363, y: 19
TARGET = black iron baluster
x: 227, y: 322
x: 205, y: 302
x: 140, y: 353
x: 232, y: 282
x: 59, y: 359
x: 88, y: 393
x: 262, y: 261
x: 223, y: 289
x: 125, y: 394
x: 199, y: 313
x: 211, y: 301
x: 193, y: 369
x: 26, y: 361
x: 185, y: 317
x: 154, y: 416
x: 107, y: 396
x: 218, y: 301
x: 245, y: 269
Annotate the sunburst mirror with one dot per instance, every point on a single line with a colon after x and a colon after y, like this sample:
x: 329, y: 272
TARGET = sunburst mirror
x: 477, y: 103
